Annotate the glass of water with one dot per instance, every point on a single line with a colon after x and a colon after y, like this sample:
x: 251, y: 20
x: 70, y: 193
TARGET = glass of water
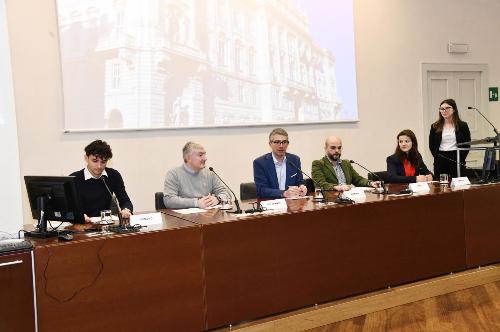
x: 444, y: 179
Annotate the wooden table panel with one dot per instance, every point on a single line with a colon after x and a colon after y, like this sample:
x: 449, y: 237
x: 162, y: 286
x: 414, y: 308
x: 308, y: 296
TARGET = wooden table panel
x: 482, y: 225
x: 269, y: 264
x: 17, y: 312
x: 146, y: 281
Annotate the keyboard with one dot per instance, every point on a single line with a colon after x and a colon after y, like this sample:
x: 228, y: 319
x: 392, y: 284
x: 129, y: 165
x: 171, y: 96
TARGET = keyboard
x: 14, y: 244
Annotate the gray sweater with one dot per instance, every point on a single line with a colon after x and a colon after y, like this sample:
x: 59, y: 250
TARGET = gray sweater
x: 182, y: 187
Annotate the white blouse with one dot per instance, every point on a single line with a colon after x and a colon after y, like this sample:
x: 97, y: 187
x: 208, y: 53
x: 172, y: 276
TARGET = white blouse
x: 449, y: 140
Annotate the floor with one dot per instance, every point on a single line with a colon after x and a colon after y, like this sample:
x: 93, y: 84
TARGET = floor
x: 473, y: 309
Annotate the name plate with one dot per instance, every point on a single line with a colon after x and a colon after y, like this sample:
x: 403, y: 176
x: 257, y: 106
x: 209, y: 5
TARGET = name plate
x: 275, y: 204
x: 420, y: 187
x: 146, y: 219
x: 460, y: 182
x: 356, y: 194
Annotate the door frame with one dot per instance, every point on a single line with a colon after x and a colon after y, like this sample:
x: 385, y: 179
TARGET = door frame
x: 428, y: 67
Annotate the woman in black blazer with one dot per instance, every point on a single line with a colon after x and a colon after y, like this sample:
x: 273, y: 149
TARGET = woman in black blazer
x: 406, y: 164
x: 445, y: 134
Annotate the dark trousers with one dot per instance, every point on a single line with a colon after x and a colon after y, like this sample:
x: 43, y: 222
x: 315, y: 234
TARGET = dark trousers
x: 446, y: 163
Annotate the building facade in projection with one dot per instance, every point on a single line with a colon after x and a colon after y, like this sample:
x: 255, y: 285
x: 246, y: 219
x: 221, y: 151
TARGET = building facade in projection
x: 189, y: 63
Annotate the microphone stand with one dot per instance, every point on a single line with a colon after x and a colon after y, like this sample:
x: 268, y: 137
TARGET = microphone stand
x: 316, y: 199
x: 496, y: 142
x: 236, y: 202
x: 481, y: 180
x: 373, y: 174
x: 121, y: 227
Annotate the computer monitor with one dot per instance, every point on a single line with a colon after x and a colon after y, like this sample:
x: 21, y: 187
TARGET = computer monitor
x: 53, y: 198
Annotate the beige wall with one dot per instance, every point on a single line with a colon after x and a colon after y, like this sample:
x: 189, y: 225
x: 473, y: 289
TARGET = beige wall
x: 393, y: 38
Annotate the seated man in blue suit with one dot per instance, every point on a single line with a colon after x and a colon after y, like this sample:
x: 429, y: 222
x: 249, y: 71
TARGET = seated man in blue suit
x: 277, y: 174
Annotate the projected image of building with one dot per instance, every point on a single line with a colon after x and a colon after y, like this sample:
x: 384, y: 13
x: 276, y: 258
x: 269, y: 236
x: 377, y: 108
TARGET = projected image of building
x: 185, y: 63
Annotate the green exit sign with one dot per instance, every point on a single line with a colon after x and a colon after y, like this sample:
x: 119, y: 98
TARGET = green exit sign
x: 494, y: 93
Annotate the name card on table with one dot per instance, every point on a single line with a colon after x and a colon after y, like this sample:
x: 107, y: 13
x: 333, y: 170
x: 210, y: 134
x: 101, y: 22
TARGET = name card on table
x: 460, y: 182
x: 420, y: 187
x: 146, y: 219
x: 356, y: 194
x: 274, y: 204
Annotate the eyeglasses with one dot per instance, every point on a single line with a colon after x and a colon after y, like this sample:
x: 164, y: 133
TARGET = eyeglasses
x: 284, y: 142
x: 445, y: 108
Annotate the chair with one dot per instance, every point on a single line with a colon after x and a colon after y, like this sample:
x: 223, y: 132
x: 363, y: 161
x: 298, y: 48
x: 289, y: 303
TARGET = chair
x: 248, y: 190
x: 159, y: 201
x: 309, y: 184
x: 381, y: 174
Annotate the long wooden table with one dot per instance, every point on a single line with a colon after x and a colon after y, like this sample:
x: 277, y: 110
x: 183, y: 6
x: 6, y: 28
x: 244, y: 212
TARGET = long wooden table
x: 206, y: 270
x: 262, y: 265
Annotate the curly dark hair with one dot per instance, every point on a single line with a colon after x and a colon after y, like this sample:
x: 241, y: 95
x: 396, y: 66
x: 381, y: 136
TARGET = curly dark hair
x: 413, y: 156
x: 99, y: 149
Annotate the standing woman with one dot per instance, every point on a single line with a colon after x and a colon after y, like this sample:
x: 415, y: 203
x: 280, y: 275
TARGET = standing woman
x: 445, y: 134
x: 406, y: 164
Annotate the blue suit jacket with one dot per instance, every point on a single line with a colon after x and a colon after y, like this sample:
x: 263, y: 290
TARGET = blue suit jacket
x: 266, y: 179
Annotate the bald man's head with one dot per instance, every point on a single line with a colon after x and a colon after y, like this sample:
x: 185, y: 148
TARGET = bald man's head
x: 333, y: 147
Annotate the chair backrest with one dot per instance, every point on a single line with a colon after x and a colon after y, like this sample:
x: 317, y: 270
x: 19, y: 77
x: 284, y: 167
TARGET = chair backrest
x: 309, y: 184
x: 159, y: 201
x: 381, y: 174
x: 248, y: 190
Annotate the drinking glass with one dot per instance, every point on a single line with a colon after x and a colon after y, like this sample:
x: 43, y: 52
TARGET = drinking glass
x: 443, y: 179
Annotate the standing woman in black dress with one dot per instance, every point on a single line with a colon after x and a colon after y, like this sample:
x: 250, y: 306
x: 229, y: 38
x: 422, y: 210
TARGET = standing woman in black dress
x: 445, y: 134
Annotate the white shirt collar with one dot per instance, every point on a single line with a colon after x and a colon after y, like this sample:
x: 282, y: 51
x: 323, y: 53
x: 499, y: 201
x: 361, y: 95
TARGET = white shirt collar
x: 87, y: 175
x: 276, y: 162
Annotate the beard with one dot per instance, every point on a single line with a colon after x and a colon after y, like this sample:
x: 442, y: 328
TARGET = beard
x: 334, y: 156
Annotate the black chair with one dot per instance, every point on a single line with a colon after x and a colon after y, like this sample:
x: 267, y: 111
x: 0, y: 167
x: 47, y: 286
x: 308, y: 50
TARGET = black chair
x: 309, y: 184
x: 248, y: 190
x: 159, y: 201
x: 381, y: 174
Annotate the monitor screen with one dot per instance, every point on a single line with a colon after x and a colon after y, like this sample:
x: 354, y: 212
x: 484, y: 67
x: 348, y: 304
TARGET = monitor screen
x: 60, y: 198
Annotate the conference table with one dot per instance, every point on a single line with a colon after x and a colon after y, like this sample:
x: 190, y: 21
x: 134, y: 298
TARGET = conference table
x: 205, y: 270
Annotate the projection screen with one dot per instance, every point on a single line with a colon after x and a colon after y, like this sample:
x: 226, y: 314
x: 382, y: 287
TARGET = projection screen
x: 136, y: 64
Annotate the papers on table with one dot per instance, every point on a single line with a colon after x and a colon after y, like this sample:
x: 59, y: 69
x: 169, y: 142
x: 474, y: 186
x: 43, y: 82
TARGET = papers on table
x: 190, y: 210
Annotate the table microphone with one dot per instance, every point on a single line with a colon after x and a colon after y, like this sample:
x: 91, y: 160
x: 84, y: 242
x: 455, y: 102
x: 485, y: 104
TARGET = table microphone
x: 236, y: 202
x: 314, y: 182
x: 114, y: 201
x: 461, y: 164
x: 494, y: 129
x: 374, y: 175
x: 122, y: 227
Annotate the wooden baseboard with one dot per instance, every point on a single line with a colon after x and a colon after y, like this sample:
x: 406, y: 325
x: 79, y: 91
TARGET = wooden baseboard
x: 335, y: 311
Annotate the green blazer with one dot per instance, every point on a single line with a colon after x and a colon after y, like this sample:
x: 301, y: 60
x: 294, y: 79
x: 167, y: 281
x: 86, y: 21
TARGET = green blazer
x: 324, y: 174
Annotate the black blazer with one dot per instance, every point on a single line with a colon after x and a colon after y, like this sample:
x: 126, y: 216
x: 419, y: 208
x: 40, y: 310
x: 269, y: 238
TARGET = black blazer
x: 462, y: 134
x: 396, y: 170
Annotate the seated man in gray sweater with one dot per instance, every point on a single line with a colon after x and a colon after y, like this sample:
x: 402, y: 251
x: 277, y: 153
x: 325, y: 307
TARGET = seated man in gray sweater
x: 192, y: 185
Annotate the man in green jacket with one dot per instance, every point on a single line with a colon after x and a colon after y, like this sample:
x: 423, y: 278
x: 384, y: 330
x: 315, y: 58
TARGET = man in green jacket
x: 331, y: 172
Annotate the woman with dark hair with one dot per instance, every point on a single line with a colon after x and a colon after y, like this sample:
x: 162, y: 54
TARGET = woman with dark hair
x: 406, y: 164
x: 445, y: 134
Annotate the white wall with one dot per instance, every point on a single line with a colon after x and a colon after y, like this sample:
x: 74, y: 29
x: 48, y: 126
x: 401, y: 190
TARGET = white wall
x: 10, y: 193
x: 393, y: 38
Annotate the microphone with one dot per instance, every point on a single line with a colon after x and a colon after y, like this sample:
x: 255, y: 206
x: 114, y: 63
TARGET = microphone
x: 314, y: 182
x: 494, y: 129
x: 236, y: 202
x: 373, y: 174
x: 461, y: 164
x: 115, y: 202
